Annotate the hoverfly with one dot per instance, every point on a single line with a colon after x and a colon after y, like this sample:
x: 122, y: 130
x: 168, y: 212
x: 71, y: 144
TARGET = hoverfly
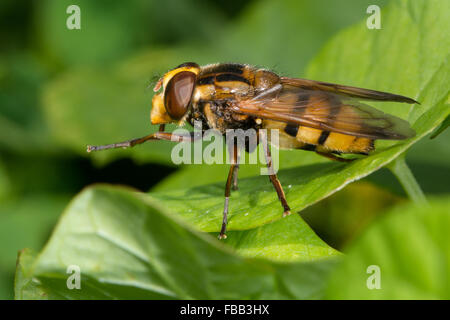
x: 311, y: 115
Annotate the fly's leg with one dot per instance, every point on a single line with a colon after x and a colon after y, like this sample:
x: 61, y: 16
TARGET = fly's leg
x: 273, y: 177
x: 160, y: 135
x: 223, y: 230
x: 236, y: 170
x: 333, y: 157
x: 231, y: 179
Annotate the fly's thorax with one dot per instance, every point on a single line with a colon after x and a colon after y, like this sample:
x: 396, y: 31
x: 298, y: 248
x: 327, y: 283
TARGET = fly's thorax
x: 222, y: 81
x: 265, y: 79
x: 219, y: 86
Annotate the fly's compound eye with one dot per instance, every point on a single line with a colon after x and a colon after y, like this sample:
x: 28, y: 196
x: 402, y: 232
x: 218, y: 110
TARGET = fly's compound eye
x: 178, y: 93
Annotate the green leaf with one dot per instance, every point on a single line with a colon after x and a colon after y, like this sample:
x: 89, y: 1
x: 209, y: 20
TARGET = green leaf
x: 342, y: 217
x: 287, y: 240
x: 128, y: 247
x: 201, y: 174
x: 27, y: 287
x: 411, y: 248
x: 442, y: 128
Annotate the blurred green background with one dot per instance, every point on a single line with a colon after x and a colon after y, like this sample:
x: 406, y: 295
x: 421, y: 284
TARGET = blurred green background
x: 61, y: 89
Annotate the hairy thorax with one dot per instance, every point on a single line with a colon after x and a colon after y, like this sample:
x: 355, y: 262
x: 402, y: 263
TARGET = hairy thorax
x: 218, y: 87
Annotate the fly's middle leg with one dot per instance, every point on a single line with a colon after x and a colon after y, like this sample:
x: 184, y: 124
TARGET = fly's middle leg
x: 236, y: 169
x: 231, y: 180
x: 223, y: 230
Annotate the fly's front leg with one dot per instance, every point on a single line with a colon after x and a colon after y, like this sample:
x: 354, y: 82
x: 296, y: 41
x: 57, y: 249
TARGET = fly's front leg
x: 160, y: 135
x: 273, y: 177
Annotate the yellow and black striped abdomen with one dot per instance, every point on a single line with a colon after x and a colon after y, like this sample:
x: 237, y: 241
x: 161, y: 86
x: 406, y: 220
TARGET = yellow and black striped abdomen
x: 326, y: 141
x: 313, y: 139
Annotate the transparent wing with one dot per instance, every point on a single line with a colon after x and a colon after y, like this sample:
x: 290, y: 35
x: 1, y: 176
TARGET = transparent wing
x: 342, y: 90
x: 327, y: 110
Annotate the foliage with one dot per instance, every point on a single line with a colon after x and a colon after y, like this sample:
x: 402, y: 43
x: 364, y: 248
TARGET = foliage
x: 128, y: 247
x: 410, y: 246
x: 66, y: 89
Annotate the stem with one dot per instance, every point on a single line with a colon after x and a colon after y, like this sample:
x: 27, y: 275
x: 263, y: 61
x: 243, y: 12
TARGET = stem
x: 406, y: 178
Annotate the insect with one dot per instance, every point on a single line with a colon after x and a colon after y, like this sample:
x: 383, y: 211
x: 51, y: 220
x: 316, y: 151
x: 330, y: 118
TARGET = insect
x: 326, y: 118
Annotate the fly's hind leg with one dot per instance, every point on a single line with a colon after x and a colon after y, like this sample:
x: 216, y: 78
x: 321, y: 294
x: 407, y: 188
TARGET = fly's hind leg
x: 273, y: 177
x: 333, y: 157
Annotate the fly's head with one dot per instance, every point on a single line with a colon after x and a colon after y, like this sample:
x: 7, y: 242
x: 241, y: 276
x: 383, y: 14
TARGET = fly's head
x: 173, y: 102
